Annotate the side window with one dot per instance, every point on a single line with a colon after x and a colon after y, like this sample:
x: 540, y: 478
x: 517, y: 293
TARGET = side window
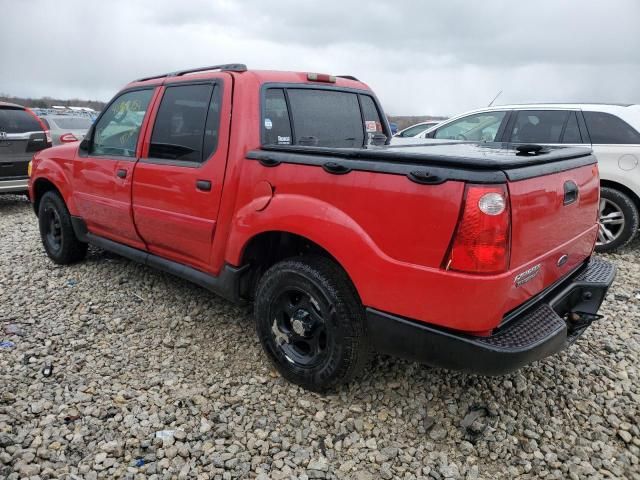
x: 326, y: 118
x: 606, y: 128
x: 186, y: 126
x: 571, y: 131
x: 276, y: 128
x: 537, y: 126
x: 480, y: 127
x: 372, y: 122
x: 117, y: 131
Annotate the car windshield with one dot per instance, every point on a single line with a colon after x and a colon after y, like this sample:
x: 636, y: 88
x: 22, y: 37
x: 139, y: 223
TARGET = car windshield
x: 72, y: 123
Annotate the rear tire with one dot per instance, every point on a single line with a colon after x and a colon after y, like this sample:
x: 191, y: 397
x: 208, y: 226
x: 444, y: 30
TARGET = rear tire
x: 59, y: 239
x: 618, y: 218
x: 311, y: 323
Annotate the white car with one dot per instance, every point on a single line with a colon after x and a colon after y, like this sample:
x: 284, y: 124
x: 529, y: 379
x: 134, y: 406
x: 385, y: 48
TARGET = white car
x: 613, y: 131
x: 417, y: 129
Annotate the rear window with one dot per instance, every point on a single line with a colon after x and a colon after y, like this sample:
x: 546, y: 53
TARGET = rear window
x: 319, y: 117
x: 606, y: 128
x: 13, y: 120
x: 72, y: 123
x: 325, y: 118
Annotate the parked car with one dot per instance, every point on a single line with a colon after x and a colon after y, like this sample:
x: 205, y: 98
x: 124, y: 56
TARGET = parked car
x: 67, y: 128
x: 256, y: 185
x: 21, y: 135
x: 613, y: 131
x: 417, y: 129
x: 394, y: 127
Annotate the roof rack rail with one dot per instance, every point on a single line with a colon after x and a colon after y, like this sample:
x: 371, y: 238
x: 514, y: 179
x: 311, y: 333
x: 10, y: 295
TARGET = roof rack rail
x: 229, y: 67
x: 348, y: 77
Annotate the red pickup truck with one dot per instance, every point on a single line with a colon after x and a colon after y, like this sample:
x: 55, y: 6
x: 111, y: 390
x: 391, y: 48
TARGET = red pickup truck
x: 273, y: 188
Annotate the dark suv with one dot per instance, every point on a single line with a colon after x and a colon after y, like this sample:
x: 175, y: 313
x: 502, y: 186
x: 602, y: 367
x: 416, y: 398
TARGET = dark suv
x: 22, y: 134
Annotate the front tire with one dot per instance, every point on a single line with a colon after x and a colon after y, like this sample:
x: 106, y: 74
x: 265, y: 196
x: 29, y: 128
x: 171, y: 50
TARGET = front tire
x: 311, y: 323
x: 59, y: 239
x: 618, y: 220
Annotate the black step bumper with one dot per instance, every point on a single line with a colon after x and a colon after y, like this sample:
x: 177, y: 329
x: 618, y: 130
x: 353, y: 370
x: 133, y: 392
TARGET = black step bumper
x: 548, y: 324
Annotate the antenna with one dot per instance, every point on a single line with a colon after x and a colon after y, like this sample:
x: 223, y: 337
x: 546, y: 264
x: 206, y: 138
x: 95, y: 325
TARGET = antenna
x: 495, y: 98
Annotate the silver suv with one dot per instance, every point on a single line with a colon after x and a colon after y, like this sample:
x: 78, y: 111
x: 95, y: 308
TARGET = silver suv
x: 22, y: 134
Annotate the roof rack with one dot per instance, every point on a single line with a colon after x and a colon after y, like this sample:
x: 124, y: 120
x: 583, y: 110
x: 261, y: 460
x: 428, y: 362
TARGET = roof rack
x: 228, y: 67
x: 348, y: 77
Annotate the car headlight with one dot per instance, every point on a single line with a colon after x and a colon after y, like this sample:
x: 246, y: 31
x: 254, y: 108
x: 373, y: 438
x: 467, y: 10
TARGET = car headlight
x: 29, y: 167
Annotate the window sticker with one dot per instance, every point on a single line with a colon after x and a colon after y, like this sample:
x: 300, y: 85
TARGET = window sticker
x: 371, y: 126
x: 284, y: 140
x: 268, y: 124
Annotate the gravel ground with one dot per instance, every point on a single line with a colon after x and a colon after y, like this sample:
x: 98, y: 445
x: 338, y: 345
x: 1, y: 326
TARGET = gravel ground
x: 155, y: 378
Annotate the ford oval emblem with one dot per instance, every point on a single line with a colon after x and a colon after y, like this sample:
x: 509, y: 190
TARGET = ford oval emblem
x: 562, y: 260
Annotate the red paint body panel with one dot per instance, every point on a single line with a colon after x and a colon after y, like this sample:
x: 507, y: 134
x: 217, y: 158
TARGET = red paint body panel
x: 389, y: 234
x: 55, y: 165
x: 541, y: 222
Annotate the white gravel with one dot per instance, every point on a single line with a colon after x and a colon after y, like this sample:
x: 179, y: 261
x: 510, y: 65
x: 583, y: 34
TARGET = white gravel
x: 155, y: 378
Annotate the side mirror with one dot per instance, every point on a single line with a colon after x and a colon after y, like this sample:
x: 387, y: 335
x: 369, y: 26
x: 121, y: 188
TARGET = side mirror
x: 85, y: 144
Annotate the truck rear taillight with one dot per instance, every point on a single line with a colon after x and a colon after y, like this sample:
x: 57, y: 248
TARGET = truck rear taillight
x: 481, y: 243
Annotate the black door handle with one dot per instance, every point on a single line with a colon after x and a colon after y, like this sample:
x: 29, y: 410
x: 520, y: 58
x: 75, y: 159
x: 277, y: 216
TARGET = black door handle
x: 570, y: 192
x: 204, y: 185
x: 335, y: 168
x: 424, y: 178
x: 121, y: 173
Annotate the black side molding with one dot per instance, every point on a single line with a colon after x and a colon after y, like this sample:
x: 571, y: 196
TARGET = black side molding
x: 226, y: 285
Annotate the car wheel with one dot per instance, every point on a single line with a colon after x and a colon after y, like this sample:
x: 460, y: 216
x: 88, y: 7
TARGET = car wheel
x: 311, y: 323
x: 59, y: 239
x: 618, y: 220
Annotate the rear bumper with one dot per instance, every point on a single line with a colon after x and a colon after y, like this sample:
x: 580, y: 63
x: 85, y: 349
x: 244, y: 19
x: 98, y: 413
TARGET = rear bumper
x: 19, y: 185
x: 554, y: 320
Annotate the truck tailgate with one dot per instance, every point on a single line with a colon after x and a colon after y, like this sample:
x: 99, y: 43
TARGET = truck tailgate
x: 553, y: 211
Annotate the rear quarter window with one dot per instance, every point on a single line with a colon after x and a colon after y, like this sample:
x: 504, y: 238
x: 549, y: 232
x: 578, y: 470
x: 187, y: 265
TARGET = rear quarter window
x: 14, y: 120
x: 605, y: 128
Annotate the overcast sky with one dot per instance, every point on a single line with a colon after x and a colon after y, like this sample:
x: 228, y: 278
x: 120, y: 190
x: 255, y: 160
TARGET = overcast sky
x: 420, y: 57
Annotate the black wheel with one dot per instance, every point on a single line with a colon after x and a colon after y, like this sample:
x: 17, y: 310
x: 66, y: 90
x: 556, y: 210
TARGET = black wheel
x: 618, y: 217
x: 311, y: 323
x: 59, y: 239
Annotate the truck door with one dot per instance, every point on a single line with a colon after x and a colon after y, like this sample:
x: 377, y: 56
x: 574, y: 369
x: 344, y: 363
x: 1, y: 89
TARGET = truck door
x: 102, y: 175
x: 177, y: 184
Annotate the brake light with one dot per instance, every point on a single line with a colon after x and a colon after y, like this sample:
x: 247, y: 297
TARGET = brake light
x: 482, y: 243
x: 321, y: 77
x: 68, y: 137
